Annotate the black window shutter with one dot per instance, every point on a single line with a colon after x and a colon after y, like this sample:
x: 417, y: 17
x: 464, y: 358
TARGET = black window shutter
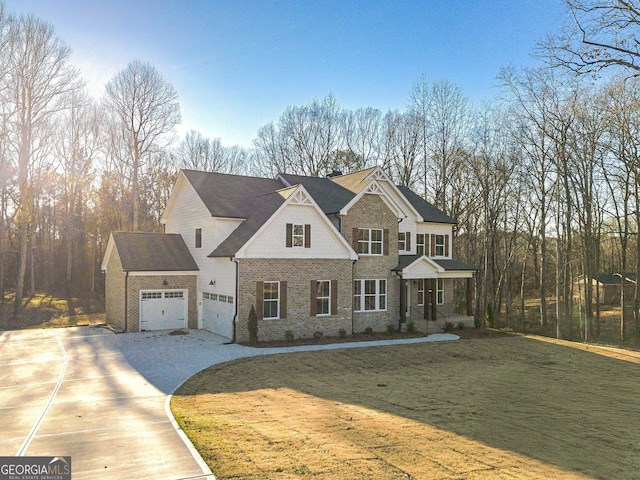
x: 307, y: 236
x: 334, y: 297
x: 283, y: 299
x: 260, y: 300
x: 289, y: 235
x: 314, y: 298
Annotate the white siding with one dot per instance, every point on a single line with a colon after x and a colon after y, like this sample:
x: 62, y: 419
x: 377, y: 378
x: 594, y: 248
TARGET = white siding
x: 272, y: 241
x: 435, y: 229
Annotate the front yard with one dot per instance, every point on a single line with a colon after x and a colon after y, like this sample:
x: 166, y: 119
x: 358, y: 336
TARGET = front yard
x: 480, y: 408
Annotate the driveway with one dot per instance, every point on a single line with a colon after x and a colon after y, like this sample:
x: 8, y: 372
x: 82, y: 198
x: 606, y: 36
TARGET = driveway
x: 102, y: 398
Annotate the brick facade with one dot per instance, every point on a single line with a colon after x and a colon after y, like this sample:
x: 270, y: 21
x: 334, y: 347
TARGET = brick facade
x: 114, y: 292
x: 372, y: 212
x: 298, y: 273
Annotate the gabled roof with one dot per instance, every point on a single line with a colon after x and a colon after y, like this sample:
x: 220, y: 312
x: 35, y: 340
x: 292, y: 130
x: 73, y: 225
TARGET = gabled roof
x: 355, y: 181
x: 230, y: 196
x: 259, y: 210
x: 446, y: 264
x: 429, y: 212
x: 329, y: 195
x: 152, y: 252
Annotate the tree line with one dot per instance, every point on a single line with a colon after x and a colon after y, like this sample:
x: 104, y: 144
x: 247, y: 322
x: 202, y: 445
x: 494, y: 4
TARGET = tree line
x: 543, y: 180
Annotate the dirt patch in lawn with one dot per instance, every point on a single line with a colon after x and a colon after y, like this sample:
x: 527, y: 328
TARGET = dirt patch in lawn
x: 482, y: 408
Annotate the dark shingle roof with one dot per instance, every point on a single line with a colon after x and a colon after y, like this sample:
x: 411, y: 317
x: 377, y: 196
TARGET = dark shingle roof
x: 230, y: 196
x: 261, y: 208
x: 429, y: 212
x: 330, y: 196
x: 448, y: 264
x: 153, y: 252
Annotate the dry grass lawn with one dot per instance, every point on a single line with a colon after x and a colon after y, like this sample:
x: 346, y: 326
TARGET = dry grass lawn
x: 495, y: 408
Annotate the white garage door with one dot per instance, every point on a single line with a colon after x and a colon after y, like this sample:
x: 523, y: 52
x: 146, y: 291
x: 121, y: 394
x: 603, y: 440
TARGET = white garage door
x: 163, y: 309
x: 217, y: 313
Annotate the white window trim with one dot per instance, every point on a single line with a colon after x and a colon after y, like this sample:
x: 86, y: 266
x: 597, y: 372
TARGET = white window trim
x: 402, y: 242
x: 440, y: 245
x: 440, y: 291
x: 421, y: 244
x: 378, y: 295
x: 369, y: 242
x: 421, y: 292
x: 299, y: 236
x: 264, y: 301
x: 318, y: 297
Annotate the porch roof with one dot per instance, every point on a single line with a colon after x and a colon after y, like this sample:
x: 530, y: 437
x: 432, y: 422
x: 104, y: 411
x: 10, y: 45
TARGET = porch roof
x: 421, y: 266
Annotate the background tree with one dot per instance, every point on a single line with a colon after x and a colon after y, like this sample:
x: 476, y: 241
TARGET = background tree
x: 145, y: 108
x: 37, y: 86
x: 604, y: 33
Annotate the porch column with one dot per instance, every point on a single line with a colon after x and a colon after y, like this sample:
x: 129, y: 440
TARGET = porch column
x: 426, y: 299
x: 469, y: 297
x: 403, y: 301
x: 432, y: 297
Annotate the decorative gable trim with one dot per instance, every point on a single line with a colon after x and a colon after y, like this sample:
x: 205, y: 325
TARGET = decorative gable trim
x: 374, y: 188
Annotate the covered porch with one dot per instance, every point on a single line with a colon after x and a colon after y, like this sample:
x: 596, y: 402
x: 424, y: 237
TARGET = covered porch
x: 434, y: 292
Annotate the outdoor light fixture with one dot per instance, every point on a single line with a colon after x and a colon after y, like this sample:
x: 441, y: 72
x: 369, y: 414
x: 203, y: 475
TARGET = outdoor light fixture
x: 212, y: 282
x: 165, y: 283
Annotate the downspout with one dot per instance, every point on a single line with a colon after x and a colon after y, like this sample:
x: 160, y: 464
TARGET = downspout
x: 126, y: 301
x: 235, y: 315
x: 353, y: 274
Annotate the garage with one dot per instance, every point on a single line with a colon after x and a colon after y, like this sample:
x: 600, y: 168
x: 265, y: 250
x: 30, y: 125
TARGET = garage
x: 217, y: 314
x: 151, y: 282
x: 163, y: 309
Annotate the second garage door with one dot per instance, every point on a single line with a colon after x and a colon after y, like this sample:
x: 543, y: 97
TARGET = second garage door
x: 163, y: 309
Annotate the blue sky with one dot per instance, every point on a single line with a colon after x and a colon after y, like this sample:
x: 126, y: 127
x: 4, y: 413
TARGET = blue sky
x: 238, y: 64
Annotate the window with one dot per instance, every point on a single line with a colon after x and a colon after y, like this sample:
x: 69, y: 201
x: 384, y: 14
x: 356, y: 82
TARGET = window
x: 198, y: 238
x: 174, y: 295
x: 440, y: 292
x: 369, y: 241
x: 298, y: 236
x: 420, y: 292
x: 439, y: 246
x: 369, y: 295
x: 151, y: 295
x: 271, y: 300
x: 420, y: 244
x: 401, y: 241
x: 222, y: 298
x: 323, y: 297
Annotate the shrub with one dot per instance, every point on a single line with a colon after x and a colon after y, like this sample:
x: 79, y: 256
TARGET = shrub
x: 448, y: 327
x: 368, y: 330
x: 461, y: 325
x: 342, y: 333
x: 317, y: 334
x: 288, y: 336
x: 391, y: 329
x: 411, y: 327
x: 252, y: 325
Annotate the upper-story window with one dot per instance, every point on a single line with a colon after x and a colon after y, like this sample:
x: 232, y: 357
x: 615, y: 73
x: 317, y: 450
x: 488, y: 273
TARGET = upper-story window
x: 420, y: 250
x: 370, y: 241
x: 298, y: 235
x: 440, y: 246
x: 198, y: 238
x: 404, y: 241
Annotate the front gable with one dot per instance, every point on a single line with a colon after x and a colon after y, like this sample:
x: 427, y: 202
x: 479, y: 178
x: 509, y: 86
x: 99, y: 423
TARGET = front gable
x: 299, y: 208
x: 423, y: 267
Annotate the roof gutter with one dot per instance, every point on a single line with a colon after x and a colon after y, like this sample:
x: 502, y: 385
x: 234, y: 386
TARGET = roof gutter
x: 235, y: 315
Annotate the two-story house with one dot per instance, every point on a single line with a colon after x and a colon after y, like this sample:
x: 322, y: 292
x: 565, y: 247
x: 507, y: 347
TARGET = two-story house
x: 338, y: 254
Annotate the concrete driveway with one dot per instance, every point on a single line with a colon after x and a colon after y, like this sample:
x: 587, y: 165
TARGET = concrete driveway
x: 102, y: 398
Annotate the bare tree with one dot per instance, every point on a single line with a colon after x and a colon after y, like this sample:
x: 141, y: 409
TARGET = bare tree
x: 147, y: 109
x: 201, y: 153
x: 39, y: 81
x: 603, y: 34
